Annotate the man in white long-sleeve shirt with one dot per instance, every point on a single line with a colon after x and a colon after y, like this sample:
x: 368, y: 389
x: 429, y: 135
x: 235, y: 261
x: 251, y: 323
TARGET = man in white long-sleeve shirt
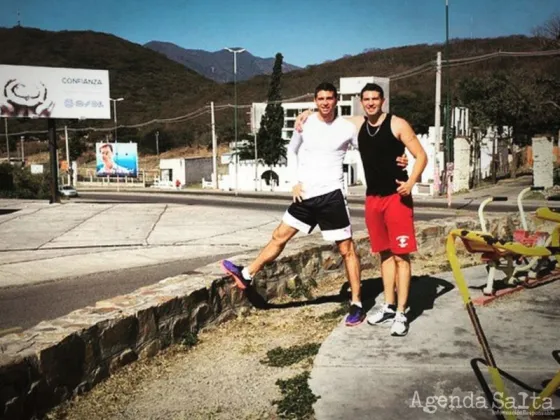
x: 318, y: 197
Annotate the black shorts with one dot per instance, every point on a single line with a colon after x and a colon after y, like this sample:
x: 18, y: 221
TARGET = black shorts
x: 329, y: 211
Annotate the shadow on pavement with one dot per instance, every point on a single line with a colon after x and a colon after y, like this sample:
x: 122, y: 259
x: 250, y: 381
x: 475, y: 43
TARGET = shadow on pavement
x: 424, y: 290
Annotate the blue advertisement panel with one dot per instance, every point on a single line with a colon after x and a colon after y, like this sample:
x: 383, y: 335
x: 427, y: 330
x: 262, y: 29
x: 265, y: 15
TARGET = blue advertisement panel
x: 117, y: 159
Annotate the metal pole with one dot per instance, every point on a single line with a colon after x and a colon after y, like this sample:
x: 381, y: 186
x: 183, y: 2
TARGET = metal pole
x: 254, y: 128
x: 116, y: 140
x: 55, y: 197
x: 437, y: 125
x: 214, y: 148
x: 256, y: 164
x: 157, y: 142
x: 235, y: 120
x: 22, y: 151
x: 68, y: 156
x: 448, y: 105
x: 7, y: 138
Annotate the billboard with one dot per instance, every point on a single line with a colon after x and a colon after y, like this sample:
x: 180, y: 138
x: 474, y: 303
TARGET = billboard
x: 117, y: 159
x: 54, y: 92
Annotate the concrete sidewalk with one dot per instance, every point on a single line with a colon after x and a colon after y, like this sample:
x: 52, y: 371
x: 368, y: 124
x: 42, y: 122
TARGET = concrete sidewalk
x: 365, y: 373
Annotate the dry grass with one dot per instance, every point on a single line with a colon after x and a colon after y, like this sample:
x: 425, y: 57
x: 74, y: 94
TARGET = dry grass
x: 223, y: 376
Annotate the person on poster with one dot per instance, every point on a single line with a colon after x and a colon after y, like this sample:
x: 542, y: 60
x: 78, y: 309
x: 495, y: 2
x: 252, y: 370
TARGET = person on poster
x: 109, y: 166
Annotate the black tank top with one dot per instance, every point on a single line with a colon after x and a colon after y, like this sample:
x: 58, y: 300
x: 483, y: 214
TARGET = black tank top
x: 379, y: 150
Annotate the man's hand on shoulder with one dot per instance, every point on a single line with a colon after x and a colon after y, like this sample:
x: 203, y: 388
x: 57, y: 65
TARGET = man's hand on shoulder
x: 301, y: 119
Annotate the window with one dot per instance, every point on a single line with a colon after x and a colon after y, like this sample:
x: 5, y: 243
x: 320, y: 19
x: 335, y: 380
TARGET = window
x: 291, y: 113
x: 345, y: 110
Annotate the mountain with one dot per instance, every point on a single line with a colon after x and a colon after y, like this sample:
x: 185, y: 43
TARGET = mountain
x: 218, y: 65
x: 156, y: 87
x: 153, y: 86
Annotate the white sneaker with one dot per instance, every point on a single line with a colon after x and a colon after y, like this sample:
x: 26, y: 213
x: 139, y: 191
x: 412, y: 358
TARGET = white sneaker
x: 383, y: 315
x: 400, y: 325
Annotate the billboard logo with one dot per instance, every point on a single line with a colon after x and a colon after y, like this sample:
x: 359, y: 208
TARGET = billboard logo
x: 25, y: 99
x: 70, y: 103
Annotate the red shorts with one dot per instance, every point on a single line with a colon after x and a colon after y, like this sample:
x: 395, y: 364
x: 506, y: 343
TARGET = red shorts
x: 390, y: 223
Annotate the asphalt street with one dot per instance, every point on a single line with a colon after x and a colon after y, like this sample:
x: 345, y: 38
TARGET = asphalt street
x: 26, y: 306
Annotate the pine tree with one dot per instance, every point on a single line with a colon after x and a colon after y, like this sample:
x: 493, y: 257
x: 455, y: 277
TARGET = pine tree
x: 271, y: 146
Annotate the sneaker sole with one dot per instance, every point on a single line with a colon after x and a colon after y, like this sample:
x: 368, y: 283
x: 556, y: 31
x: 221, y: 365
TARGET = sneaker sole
x: 387, y: 321
x: 353, y: 324
x: 238, y: 281
x: 399, y: 335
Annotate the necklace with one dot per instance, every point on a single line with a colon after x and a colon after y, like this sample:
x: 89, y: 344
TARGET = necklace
x: 376, y: 131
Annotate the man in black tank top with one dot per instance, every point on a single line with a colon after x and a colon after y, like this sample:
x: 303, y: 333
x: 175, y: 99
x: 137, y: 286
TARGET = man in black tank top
x: 389, y: 210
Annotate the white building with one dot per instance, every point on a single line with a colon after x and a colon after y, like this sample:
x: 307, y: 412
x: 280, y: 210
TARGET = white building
x: 185, y: 170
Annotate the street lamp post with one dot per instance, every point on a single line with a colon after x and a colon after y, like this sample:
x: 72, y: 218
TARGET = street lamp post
x: 235, y: 52
x: 448, y: 142
x: 115, y: 120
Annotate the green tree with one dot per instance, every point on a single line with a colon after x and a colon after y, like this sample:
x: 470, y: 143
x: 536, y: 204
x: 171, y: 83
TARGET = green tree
x: 271, y: 146
x: 515, y: 99
x: 76, y: 146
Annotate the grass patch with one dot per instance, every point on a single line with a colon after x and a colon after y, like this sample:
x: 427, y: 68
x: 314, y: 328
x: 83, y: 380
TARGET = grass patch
x: 337, y: 313
x: 281, y: 357
x: 189, y: 339
x: 297, y: 398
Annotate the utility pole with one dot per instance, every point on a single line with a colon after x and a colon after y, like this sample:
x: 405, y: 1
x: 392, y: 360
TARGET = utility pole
x: 437, y: 125
x: 22, y: 151
x: 448, y: 147
x: 157, y: 142
x: 256, y: 163
x: 254, y: 128
x: 214, y: 148
x: 55, y: 196
x: 68, y: 156
x: 7, y: 138
x: 235, y: 52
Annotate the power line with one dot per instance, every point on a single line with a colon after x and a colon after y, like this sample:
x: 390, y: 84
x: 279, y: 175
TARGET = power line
x: 415, y: 71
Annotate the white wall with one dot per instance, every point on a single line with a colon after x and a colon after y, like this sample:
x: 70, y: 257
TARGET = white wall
x: 187, y: 171
x: 461, y: 167
x: 543, y: 167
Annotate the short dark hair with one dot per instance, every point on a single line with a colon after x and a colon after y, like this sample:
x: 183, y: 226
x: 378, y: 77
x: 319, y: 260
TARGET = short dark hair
x: 326, y: 86
x: 103, y: 146
x: 372, y: 87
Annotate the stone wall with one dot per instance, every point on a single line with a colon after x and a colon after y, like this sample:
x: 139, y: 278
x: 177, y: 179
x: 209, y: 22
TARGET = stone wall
x: 58, y: 359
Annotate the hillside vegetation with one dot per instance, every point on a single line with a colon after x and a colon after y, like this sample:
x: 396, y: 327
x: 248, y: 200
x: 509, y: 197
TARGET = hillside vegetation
x: 156, y: 87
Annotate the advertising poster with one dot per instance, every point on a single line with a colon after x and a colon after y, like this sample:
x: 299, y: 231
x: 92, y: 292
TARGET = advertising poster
x: 54, y: 92
x: 117, y: 159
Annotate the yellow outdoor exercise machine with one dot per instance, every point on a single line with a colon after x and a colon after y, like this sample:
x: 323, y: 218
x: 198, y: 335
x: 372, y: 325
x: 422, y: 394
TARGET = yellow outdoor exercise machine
x: 483, y: 242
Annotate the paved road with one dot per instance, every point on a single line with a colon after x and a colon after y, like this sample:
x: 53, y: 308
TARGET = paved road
x: 61, y: 271
x: 26, y: 306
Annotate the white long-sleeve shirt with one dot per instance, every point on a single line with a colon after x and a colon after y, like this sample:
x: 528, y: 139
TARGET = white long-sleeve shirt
x: 317, y: 153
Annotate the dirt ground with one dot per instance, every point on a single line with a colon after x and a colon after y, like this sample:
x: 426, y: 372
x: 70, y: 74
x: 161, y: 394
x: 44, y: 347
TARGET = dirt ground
x: 223, y: 376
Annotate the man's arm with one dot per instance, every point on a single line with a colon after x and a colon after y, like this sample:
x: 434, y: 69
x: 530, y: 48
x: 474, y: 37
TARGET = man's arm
x: 405, y: 133
x: 293, y: 164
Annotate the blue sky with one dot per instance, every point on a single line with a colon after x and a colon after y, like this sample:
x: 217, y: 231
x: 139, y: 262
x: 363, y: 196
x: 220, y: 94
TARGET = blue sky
x: 304, y: 31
